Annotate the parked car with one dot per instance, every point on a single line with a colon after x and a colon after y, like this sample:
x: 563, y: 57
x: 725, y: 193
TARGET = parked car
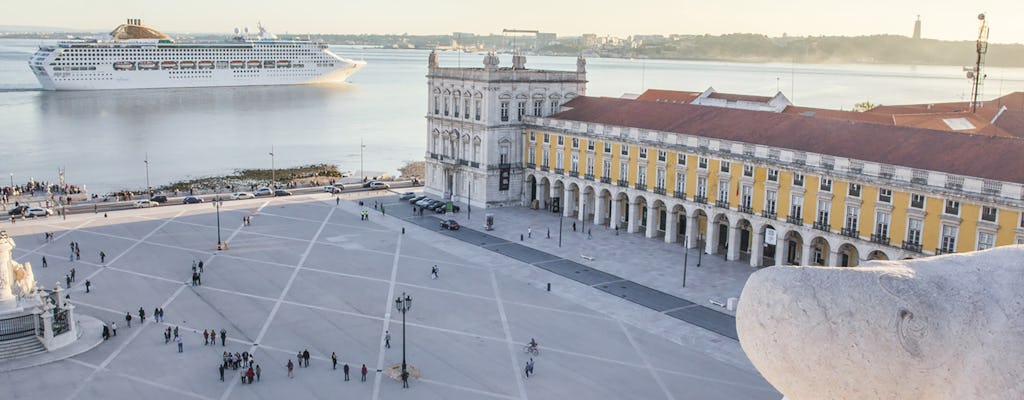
x: 159, y: 198
x: 38, y: 212
x: 332, y: 189
x: 191, y: 200
x: 263, y: 191
x: 368, y: 183
x: 450, y: 224
x: 282, y: 192
x: 241, y: 195
x: 379, y: 186
x: 18, y: 210
x: 423, y: 202
x: 145, y: 203
x: 417, y: 198
x: 406, y: 196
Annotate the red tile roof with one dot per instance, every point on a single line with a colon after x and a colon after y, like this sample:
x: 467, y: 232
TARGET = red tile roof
x: 978, y: 156
x: 668, y: 96
x: 739, y: 97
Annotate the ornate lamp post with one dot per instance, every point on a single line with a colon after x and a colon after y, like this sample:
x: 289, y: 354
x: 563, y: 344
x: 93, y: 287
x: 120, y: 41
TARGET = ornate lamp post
x: 273, y: 170
x: 403, y: 303
x: 217, y: 202
x: 149, y: 189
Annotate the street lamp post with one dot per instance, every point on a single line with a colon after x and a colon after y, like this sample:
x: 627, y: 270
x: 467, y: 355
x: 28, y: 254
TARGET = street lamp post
x: 403, y: 303
x: 217, y: 202
x: 12, y: 182
x: 362, y: 173
x: 686, y: 258
x: 149, y: 189
x: 700, y: 250
x: 273, y: 169
x: 469, y: 202
x: 559, y: 229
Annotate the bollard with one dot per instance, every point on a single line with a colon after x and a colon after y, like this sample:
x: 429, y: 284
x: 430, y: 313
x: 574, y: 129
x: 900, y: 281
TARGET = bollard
x: 549, y: 286
x: 403, y: 230
x: 520, y: 237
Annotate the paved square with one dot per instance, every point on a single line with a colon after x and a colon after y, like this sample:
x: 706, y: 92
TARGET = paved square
x: 311, y: 275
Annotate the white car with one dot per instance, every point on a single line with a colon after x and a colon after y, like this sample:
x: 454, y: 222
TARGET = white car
x: 241, y: 195
x: 263, y: 191
x: 379, y: 185
x: 332, y: 189
x: 38, y: 212
x: 145, y: 204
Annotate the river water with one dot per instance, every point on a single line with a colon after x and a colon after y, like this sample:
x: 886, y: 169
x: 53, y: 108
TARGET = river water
x: 102, y: 138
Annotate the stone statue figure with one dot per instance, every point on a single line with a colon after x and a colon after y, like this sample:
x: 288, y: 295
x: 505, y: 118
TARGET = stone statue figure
x: 432, y: 60
x: 581, y: 64
x: 491, y: 61
x: 938, y: 328
x: 15, y: 278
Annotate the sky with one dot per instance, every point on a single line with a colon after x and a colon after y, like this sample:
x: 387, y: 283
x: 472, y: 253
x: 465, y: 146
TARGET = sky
x: 942, y: 19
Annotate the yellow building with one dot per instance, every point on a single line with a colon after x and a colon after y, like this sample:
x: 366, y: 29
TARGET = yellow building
x: 756, y: 178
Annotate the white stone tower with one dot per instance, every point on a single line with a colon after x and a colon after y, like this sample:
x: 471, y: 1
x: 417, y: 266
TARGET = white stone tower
x: 475, y: 125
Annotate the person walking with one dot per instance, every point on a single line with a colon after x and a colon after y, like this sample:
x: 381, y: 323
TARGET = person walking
x: 337, y: 200
x: 387, y: 340
x: 142, y: 315
x: 87, y: 285
x: 67, y: 280
x: 167, y: 335
x: 363, y: 377
x: 249, y: 374
x: 589, y: 236
x: 78, y: 253
x: 106, y: 332
x: 113, y: 327
x: 221, y: 368
x: 405, y: 379
x: 200, y: 266
x: 175, y: 331
x: 206, y: 337
x: 44, y: 261
x: 223, y: 336
x: 179, y: 341
x: 344, y: 369
x: 305, y: 357
x: 433, y: 272
x: 291, y: 366
x: 334, y: 360
x: 128, y: 319
x: 103, y: 257
x: 258, y: 372
x: 529, y: 232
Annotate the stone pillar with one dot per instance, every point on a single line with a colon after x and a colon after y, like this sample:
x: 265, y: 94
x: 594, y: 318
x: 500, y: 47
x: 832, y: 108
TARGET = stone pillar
x: 553, y: 193
x: 616, y: 213
x: 733, y: 253
x: 47, y: 325
x: 599, y: 208
x: 634, y: 217
x: 691, y: 232
x: 756, y: 248
x: 567, y: 201
x: 652, y: 221
x: 781, y: 247
x: 833, y: 258
x: 671, y: 226
x: 805, y: 254
x: 711, y: 241
x: 583, y: 207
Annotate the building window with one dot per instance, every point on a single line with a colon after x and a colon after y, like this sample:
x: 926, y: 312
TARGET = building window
x: 590, y: 145
x: 882, y: 224
x: 641, y: 175
x: 1021, y: 224
x: 643, y: 153
x: 748, y: 170
x: 885, y: 196
x: 986, y: 240
x: 659, y: 179
x: 559, y: 160
x: 662, y: 155
x: 681, y: 159
x: 947, y: 244
x: 561, y: 140
x: 437, y: 105
x: 746, y: 196
x: 680, y: 182
x: 607, y: 148
x: 702, y: 162
x: 796, y: 207
x: 917, y: 201
x: 554, y: 107
x: 770, y: 201
x: 989, y: 214
x: 723, y: 191
x: 590, y: 166
x: 606, y: 169
x: 724, y: 166
x: 575, y: 143
x: 773, y: 175
x: 466, y: 108
x: 854, y: 190
x: 478, y: 107
x: 456, y: 107
x: 952, y: 207
x: 520, y: 110
x: 547, y: 138
x: 547, y: 158
x: 914, y: 228
x: 623, y: 150
x: 538, y: 105
x: 504, y: 111
x: 826, y: 184
x: 533, y: 136
x: 503, y: 152
x: 852, y: 218
x: 532, y: 158
x: 702, y: 187
x: 574, y: 165
x: 623, y: 171
x: 798, y: 179
x: 446, y: 106
x: 824, y: 208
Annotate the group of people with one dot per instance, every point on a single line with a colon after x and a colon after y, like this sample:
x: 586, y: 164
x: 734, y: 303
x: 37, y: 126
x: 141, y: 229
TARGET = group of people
x: 302, y: 358
x: 235, y: 361
x: 197, y: 273
x: 210, y: 337
x: 76, y: 252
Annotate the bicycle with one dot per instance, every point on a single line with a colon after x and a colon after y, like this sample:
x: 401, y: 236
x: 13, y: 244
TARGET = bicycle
x: 532, y: 350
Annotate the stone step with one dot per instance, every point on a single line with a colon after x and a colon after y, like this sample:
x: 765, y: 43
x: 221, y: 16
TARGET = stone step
x: 17, y: 348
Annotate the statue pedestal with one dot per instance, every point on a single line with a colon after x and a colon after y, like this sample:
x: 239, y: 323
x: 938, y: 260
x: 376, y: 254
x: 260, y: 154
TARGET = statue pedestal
x: 9, y: 305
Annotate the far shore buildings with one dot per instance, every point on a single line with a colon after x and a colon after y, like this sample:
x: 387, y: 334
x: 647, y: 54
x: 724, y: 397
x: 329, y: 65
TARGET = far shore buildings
x: 749, y: 177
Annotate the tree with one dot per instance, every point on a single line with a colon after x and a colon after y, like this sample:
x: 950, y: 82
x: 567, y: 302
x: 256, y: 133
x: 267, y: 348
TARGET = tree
x: 863, y: 106
x: 412, y: 169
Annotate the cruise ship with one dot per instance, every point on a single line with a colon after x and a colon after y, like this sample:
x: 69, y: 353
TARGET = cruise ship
x: 135, y: 56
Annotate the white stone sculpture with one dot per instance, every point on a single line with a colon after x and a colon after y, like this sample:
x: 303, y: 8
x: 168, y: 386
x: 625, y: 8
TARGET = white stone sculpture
x: 15, y: 278
x: 939, y: 328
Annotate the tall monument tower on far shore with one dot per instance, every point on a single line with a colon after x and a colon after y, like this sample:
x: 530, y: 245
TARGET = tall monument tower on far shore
x: 917, y: 28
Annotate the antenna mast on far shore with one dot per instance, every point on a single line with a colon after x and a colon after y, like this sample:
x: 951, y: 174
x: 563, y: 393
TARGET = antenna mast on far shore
x: 975, y: 74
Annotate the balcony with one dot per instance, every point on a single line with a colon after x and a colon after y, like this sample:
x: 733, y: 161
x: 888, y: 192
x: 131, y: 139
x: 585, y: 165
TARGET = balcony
x: 531, y: 165
x: 435, y: 156
x: 544, y: 168
x: 574, y: 174
x: 560, y: 171
x: 879, y: 238
x: 722, y: 204
x: 919, y: 180
x: 911, y: 246
x: 745, y: 209
x: 474, y: 164
x: 795, y: 220
x: 769, y: 214
x: 659, y: 190
x: 679, y: 194
x: 940, y: 251
x: 605, y: 179
x: 640, y: 186
x: 588, y: 177
x: 822, y: 226
x: 700, y: 199
x: 623, y: 183
x: 464, y: 162
x: 849, y: 232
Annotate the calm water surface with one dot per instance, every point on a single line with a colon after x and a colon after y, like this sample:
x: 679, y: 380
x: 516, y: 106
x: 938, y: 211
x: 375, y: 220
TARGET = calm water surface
x: 102, y: 138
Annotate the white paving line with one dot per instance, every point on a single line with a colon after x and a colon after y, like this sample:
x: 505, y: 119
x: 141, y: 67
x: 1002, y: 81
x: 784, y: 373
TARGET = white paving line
x: 477, y: 391
x: 647, y: 362
x: 280, y: 299
x: 387, y: 317
x: 140, y: 380
x: 508, y: 338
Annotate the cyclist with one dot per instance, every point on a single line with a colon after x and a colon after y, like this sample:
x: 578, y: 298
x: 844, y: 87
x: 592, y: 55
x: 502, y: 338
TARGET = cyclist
x: 533, y: 344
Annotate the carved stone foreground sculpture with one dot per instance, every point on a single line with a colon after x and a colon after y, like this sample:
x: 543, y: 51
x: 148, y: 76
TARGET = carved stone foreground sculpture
x: 15, y: 278
x: 949, y: 327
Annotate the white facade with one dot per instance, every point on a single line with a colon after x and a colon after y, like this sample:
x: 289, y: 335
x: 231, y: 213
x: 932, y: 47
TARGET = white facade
x: 474, y: 126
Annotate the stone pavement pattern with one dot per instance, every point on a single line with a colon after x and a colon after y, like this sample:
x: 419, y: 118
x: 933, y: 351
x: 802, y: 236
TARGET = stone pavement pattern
x: 309, y: 275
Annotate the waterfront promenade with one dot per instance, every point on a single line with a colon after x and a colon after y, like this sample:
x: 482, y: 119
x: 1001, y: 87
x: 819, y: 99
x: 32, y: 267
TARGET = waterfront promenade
x: 309, y: 274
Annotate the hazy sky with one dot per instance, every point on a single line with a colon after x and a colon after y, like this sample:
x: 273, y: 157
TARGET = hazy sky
x: 942, y: 19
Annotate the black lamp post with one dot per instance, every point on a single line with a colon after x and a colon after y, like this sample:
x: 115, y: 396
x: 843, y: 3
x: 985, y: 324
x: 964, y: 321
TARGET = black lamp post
x: 403, y: 303
x: 217, y: 202
x: 686, y: 257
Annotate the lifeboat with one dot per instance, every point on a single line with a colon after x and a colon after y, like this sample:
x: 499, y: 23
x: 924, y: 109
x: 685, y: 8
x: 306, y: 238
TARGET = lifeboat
x: 147, y: 65
x: 188, y: 65
x: 254, y: 64
x: 206, y: 65
x: 237, y: 64
x: 168, y: 65
x: 284, y: 64
x: 268, y: 64
x: 124, y: 66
